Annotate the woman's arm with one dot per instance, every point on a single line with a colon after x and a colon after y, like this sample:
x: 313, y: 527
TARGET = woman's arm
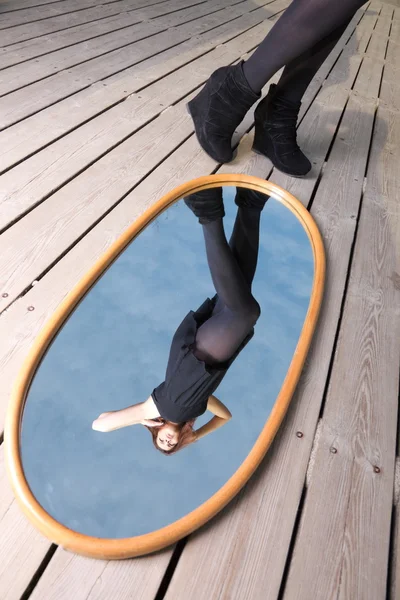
x: 127, y: 416
x: 218, y: 409
x: 221, y: 416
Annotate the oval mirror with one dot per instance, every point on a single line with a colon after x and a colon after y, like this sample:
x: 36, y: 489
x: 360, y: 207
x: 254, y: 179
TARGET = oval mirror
x: 233, y: 324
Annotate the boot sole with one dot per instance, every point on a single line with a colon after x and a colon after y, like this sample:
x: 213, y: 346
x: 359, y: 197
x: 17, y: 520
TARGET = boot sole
x: 279, y: 169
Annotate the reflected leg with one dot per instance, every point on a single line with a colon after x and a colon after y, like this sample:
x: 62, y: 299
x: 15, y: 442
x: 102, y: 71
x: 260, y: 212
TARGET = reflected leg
x: 232, y: 269
x: 244, y: 242
x: 221, y: 335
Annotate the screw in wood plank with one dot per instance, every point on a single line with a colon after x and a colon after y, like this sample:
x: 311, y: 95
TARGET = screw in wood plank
x: 334, y: 450
x: 5, y: 295
x: 377, y: 470
x: 31, y: 308
x: 299, y: 434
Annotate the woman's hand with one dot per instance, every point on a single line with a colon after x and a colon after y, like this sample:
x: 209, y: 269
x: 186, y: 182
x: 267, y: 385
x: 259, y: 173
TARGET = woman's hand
x: 151, y: 423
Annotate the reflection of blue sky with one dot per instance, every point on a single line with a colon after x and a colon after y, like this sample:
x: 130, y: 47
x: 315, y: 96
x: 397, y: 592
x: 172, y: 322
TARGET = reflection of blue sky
x: 113, y: 352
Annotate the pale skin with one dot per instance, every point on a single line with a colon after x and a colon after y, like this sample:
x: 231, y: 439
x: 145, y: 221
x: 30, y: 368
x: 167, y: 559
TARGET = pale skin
x: 168, y: 433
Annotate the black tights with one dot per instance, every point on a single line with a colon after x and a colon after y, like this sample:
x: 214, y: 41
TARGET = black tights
x: 232, y: 270
x: 301, y: 39
x: 298, y: 74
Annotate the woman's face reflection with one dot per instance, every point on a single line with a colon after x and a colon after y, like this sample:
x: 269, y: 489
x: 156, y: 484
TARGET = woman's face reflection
x: 168, y: 436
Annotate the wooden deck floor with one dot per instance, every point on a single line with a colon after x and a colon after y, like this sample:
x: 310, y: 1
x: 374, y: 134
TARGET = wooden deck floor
x: 93, y: 129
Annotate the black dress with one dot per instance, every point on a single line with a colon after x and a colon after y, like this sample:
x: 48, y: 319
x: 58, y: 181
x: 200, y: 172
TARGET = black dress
x: 189, y: 381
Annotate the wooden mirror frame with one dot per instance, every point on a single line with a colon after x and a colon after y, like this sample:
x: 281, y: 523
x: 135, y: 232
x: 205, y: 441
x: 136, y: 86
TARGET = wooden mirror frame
x: 135, y: 546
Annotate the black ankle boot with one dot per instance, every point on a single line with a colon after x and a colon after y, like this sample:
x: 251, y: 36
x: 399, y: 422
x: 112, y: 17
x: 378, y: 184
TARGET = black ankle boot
x: 275, y: 134
x: 207, y: 205
x: 246, y: 198
x: 219, y: 108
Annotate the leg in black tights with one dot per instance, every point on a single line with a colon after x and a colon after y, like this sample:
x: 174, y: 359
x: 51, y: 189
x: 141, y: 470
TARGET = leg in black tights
x: 299, y: 73
x: 230, y: 91
x: 303, y: 24
x: 276, y: 116
x: 232, y: 270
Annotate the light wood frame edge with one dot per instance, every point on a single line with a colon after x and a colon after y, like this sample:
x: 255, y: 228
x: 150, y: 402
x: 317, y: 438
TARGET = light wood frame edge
x: 161, y: 538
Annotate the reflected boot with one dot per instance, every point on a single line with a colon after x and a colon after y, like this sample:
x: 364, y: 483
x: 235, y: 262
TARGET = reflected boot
x: 207, y: 205
x: 219, y: 108
x: 275, y: 134
x: 246, y: 198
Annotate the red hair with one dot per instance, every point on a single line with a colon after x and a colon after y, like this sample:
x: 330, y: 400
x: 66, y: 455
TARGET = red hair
x: 186, y: 435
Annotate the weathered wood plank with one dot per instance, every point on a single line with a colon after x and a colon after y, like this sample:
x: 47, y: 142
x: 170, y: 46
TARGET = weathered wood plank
x: 31, y: 71
x: 392, y: 52
x: 22, y: 548
x: 36, y: 47
x: 352, y: 57
x: 37, y: 131
x: 349, y: 56
x: 77, y: 205
x: 58, y: 10
x: 10, y: 5
x: 348, y: 506
x: 18, y: 17
x: 25, y: 185
x: 390, y: 89
x: 395, y: 31
x: 394, y: 556
x: 377, y: 46
x: 26, y: 101
x: 26, y: 73
x: 52, y: 89
x: 70, y: 576
x: 51, y: 25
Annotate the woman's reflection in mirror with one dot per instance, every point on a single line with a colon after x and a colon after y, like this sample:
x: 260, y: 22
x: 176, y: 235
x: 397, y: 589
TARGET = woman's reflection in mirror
x: 209, y: 339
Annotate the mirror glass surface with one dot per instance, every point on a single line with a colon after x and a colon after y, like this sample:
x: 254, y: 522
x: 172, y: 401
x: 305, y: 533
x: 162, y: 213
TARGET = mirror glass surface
x: 112, y: 352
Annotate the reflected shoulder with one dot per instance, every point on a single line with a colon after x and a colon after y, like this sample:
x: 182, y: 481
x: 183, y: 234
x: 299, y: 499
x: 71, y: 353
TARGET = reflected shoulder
x: 151, y: 410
